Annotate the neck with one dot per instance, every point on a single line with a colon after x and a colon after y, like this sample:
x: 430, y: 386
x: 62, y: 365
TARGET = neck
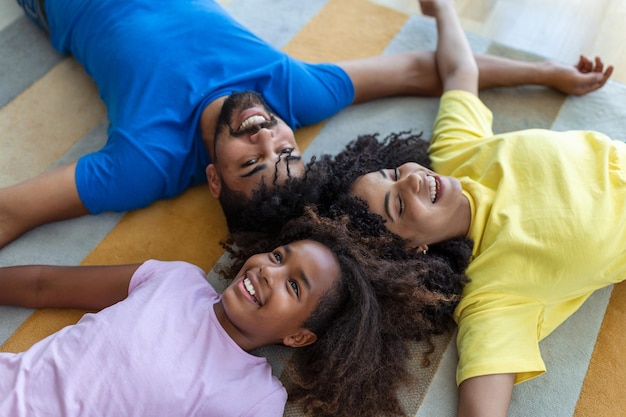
x: 465, y: 217
x: 208, y: 123
x: 232, y: 331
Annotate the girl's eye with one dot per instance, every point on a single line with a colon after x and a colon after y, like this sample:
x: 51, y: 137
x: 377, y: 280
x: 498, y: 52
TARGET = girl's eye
x: 277, y: 257
x: 287, y: 150
x: 295, y: 287
x: 400, y: 206
x: 396, y: 174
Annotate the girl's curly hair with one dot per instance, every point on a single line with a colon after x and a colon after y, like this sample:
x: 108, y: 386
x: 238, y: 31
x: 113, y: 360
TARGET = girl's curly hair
x: 384, y: 297
x: 327, y: 184
x: 415, y: 293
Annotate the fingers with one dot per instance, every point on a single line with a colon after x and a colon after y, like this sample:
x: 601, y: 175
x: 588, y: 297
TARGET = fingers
x: 599, y: 65
x: 585, y: 66
x: 598, y: 68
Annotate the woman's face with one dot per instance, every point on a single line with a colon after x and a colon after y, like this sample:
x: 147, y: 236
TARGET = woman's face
x: 417, y: 204
x: 274, y: 293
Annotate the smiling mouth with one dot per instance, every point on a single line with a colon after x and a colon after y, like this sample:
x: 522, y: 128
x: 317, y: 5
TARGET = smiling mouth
x: 435, y: 188
x: 250, y: 289
x: 251, y: 121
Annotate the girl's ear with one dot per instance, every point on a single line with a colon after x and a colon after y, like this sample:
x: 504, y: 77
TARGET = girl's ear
x: 303, y: 337
x: 214, y: 180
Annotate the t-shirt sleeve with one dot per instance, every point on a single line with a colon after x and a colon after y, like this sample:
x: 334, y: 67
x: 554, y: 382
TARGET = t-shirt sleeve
x: 462, y: 117
x: 319, y: 91
x: 118, y: 178
x: 163, y: 270
x: 271, y: 406
x: 495, y: 337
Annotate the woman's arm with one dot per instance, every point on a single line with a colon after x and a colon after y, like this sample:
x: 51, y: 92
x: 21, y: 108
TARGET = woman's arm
x: 83, y: 287
x: 455, y: 61
x: 486, y: 396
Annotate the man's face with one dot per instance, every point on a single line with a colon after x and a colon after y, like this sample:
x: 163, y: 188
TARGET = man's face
x: 253, y: 146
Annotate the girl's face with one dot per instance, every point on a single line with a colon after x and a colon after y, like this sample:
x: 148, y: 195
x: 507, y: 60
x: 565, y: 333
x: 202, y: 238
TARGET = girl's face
x: 274, y: 293
x: 417, y: 204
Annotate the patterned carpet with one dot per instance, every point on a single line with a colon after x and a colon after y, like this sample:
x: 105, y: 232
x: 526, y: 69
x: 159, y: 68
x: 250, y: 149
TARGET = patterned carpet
x: 51, y: 113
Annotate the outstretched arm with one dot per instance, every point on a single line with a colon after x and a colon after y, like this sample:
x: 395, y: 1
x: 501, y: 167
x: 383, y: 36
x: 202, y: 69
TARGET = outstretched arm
x: 83, y: 287
x: 488, y: 395
x: 415, y: 74
x: 584, y: 77
x: 455, y: 61
x: 46, y: 198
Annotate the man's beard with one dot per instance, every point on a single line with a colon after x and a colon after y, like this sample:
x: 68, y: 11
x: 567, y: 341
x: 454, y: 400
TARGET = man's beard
x: 232, y: 104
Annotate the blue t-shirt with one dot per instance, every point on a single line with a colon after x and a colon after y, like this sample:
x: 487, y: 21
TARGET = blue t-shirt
x: 157, y: 65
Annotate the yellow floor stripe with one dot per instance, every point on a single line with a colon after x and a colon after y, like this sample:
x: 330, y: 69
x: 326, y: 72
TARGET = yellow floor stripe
x: 38, y: 325
x: 43, y: 122
x: 603, y: 390
x: 346, y: 29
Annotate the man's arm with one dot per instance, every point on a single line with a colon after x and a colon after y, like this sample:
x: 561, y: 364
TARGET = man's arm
x: 486, y: 396
x: 414, y: 73
x: 83, y: 287
x: 46, y: 198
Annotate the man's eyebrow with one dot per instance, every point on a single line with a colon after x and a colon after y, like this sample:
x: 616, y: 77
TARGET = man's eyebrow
x: 256, y: 169
x: 304, y: 278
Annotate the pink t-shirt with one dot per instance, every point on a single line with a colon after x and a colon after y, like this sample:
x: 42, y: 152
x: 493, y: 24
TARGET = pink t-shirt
x: 159, y: 352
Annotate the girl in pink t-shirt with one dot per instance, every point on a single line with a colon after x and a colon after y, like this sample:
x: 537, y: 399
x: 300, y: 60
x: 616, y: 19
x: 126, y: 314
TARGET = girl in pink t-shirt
x: 164, y: 342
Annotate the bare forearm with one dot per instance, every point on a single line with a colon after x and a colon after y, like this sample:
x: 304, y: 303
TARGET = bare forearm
x: 20, y: 286
x: 488, y: 395
x: 46, y: 198
x: 454, y: 55
x: 84, y: 287
x: 497, y: 71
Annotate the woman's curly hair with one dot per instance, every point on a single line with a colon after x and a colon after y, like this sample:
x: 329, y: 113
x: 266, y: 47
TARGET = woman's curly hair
x: 327, y: 184
x: 384, y: 297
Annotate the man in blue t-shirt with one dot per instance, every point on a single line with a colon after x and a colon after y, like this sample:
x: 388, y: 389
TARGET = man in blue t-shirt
x: 186, y: 106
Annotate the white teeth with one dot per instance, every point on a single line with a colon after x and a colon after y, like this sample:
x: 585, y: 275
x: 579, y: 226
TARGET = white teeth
x: 252, y: 120
x: 249, y: 286
x: 432, y: 183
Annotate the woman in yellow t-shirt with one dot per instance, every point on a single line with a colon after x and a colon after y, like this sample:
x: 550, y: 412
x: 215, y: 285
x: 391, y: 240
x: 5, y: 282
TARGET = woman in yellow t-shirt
x: 538, y: 205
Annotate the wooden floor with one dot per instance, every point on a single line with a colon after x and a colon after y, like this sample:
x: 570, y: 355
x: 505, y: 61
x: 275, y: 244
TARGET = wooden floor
x: 560, y: 29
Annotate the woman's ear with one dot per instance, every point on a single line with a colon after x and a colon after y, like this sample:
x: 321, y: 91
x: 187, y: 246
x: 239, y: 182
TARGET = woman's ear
x: 303, y: 337
x: 214, y: 180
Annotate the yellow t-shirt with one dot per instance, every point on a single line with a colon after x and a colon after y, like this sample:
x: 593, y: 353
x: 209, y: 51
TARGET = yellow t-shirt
x: 548, y: 224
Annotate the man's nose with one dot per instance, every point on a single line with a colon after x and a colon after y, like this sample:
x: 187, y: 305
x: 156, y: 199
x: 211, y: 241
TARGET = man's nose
x: 263, y: 136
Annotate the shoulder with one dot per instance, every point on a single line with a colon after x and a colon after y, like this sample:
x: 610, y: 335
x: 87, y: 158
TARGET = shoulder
x: 153, y: 270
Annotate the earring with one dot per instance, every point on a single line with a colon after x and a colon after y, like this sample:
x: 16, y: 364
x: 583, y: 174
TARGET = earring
x: 425, y: 251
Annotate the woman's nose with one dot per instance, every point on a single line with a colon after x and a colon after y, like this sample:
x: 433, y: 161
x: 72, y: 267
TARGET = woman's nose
x: 412, y: 182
